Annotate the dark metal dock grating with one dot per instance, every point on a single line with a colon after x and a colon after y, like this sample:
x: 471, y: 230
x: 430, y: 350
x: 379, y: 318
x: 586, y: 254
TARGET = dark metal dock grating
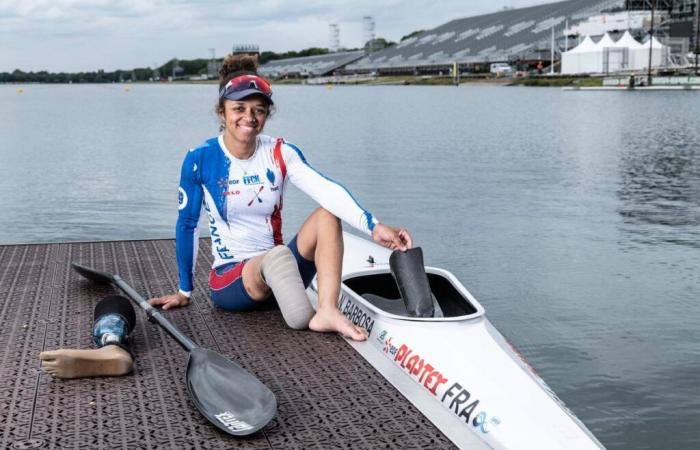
x: 329, y: 397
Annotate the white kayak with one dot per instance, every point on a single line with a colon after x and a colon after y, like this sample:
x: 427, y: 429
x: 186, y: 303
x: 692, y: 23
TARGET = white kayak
x: 456, y: 368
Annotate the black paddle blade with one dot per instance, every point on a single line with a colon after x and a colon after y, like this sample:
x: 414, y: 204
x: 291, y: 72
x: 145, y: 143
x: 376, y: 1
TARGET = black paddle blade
x: 92, y: 274
x: 227, y: 395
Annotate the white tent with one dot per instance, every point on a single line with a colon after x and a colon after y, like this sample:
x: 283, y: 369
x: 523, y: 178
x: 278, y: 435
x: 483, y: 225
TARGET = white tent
x: 659, y: 55
x: 608, y: 55
x: 627, y: 41
x: 614, y: 56
x: 605, y: 41
x: 584, y: 58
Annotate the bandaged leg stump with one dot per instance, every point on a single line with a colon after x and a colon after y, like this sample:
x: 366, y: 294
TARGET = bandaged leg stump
x: 280, y: 272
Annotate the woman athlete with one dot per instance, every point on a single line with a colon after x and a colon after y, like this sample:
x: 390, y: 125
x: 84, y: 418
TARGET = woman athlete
x: 240, y: 177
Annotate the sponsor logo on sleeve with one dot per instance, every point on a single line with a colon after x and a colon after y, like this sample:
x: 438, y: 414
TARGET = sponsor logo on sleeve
x: 453, y: 395
x: 181, y: 198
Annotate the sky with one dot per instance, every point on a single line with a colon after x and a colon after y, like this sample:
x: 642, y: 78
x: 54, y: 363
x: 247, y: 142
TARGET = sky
x: 87, y: 35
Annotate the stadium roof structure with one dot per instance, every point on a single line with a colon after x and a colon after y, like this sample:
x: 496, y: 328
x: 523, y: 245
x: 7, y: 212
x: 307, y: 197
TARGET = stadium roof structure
x: 318, y: 65
x: 502, y: 36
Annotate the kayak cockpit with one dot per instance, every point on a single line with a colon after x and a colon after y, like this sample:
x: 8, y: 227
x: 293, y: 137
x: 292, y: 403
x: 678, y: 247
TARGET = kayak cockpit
x: 377, y: 288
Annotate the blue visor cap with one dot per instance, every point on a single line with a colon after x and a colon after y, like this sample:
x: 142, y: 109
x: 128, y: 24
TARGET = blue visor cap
x: 243, y: 86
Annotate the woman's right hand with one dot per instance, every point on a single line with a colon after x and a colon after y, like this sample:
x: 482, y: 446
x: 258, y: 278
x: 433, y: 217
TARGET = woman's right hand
x: 170, y: 301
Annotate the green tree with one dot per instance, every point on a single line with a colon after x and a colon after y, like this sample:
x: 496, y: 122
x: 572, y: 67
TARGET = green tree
x: 378, y: 44
x: 410, y: 35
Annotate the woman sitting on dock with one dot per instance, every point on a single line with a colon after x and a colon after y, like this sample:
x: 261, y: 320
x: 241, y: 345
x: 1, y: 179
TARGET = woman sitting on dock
x: 239, y: 177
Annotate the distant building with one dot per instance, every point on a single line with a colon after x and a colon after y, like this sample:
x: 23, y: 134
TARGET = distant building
x: 522, y: 37
x: 310, y: 66
x: 676, y: 21
x: 246, y: 49
x: 638, y: 22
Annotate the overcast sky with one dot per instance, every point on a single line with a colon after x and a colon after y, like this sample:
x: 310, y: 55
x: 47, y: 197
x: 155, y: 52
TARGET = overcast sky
x: 86, y: 35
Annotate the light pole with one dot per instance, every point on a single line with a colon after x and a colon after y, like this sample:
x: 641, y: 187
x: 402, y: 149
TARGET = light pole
x: 697, y: 35
x: 651, y: 41
x: 551, y: 65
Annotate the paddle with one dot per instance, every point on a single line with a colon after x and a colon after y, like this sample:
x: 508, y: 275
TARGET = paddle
x: 227, y: 395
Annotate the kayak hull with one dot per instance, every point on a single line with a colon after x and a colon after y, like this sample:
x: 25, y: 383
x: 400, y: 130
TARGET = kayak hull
x: 458, y: 370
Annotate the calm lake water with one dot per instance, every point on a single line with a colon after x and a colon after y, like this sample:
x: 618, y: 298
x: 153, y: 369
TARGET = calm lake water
x: 574, y: 217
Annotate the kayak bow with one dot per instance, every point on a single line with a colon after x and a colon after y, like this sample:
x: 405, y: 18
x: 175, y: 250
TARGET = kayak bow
x: 456, y: 368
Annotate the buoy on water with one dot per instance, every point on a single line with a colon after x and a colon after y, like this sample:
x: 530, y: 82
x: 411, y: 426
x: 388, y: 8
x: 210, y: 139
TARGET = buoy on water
x: 20, y: 90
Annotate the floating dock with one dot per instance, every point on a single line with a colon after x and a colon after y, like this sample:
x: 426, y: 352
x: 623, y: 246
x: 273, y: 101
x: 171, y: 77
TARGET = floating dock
x: 633, y: 89
x: 328, y: 396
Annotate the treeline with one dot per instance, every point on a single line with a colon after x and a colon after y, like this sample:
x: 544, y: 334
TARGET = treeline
x: 174, y: 67
x: 100, y: 76
x: 177, y: 68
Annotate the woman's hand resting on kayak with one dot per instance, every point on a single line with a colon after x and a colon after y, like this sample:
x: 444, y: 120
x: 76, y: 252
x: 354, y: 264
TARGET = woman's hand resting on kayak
x: 170, y: 301
x: 392, y: 237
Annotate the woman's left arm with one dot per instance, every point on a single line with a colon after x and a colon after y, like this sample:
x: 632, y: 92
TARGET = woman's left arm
x: 335, y: 198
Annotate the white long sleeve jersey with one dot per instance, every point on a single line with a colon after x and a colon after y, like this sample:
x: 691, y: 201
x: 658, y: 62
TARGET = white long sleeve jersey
x: 243, y: 200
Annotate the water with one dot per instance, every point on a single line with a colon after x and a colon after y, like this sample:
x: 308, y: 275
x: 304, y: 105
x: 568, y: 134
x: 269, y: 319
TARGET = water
x: 574, y: 217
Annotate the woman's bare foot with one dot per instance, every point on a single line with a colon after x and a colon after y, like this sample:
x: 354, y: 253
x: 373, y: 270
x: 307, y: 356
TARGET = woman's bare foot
x: 331, y: 319
x: 108, y: 361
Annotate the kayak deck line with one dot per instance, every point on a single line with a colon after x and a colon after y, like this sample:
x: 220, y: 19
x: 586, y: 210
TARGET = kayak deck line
x: 329, y: 396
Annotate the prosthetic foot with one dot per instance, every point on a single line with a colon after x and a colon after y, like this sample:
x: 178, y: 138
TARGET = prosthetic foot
x: 280, y: 272
x: 114, y: 320
x: 409, y: 272
x: 108, y: 361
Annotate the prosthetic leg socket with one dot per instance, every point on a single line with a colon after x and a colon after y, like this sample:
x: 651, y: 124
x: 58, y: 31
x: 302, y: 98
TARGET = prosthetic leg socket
x: 409, y: 272
x: 280, y: 272
x: 115, y: 318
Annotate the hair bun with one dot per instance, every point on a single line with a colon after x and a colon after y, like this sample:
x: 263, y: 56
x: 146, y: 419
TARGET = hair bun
x: 237, y: 64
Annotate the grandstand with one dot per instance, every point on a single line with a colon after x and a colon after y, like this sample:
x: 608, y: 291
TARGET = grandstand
x: 314, y: 66
x: 513, y: 35
x: 521, y: 37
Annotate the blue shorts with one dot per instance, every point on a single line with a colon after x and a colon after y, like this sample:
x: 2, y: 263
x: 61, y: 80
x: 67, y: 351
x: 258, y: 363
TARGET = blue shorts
x: 226, y: 282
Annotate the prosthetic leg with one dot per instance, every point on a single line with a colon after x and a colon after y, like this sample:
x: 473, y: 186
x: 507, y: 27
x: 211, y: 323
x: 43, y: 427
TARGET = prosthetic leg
x: 114, y: 320
x: 280, y: 272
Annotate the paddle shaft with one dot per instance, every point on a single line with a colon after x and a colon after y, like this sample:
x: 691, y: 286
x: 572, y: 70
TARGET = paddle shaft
x: 154, y: 315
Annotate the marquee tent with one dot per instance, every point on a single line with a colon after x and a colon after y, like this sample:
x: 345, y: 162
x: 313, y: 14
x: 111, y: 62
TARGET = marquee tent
x: 659, y: 55
x: 584, y: 58
x: 608, y: 55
